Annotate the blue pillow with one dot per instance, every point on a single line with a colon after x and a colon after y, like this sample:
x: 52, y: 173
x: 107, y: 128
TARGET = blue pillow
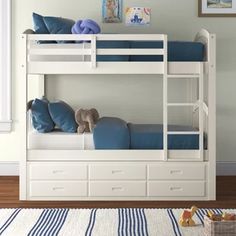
x: 41, y: 118
x: 63, y: 116
x: 39, y: 25
x: 58, y: 25
x: 52, y: 25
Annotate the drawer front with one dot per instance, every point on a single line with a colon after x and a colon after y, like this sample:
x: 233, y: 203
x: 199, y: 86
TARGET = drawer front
x: 57, y: 171
x: 57, y: 188
x: 117, y: 189
x: 180, y: 171
x: 176, y: 189
x: 117, y: 172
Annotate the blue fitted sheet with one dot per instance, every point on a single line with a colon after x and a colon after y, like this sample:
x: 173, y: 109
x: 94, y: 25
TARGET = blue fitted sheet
x: 177, y: 51
x: 150, y: 136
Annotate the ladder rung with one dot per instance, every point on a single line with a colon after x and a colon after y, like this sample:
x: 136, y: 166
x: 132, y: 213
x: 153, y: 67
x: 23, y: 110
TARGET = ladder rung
x: 183, y: 76
x: 181, y: 104
x: 183, y: 132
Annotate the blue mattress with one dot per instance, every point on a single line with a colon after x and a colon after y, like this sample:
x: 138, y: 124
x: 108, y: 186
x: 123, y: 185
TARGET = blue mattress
x: 148, y: 136
x: 177, y: 51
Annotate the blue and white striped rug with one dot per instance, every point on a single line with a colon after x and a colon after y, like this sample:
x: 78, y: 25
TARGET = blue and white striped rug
x: 98, y: 222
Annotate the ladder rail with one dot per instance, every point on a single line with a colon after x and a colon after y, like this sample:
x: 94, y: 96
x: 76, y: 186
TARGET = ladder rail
x: 201, y: 112
x: 165, y: 99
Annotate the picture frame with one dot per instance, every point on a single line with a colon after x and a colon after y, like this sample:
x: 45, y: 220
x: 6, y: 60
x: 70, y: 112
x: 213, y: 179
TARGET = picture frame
x: 138, y: 16
x: 217, y: 8
x: 112, y: 11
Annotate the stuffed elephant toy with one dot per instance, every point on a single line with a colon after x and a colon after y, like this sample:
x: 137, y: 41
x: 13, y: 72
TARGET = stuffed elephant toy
x: 86, y: 119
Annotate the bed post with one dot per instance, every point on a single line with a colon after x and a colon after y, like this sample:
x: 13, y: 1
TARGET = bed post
x: 212, y: 116
x: 23, y: 158
x: 165, y: 99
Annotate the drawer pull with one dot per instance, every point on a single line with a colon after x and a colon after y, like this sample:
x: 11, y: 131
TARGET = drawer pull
x: 58, y: 188
x: 179, y: 172
x: 117, y: 171
x: 58, y: 171
x: 176, y: 189
x: 117, y: 189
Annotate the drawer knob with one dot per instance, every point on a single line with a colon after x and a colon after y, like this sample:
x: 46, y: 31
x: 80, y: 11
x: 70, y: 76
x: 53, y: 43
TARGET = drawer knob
x: 57, y: 171
x: 117, y: 171
x: 176, y: 189
x: 58, y: 188
x: 178, y: 172
x: 117, y: 189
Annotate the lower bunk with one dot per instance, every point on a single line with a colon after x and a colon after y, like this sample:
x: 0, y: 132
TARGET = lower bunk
x: 118, y: 161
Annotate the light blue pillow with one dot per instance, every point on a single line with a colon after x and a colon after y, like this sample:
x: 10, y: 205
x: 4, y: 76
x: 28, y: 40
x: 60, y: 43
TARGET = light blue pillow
x: 63, y: 116
x: 41, y: 119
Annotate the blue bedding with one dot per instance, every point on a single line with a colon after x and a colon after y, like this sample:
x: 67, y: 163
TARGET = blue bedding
x: 111, y: 133
x: 114, y: 133
x: 177, y: 51
x: 148, y: 136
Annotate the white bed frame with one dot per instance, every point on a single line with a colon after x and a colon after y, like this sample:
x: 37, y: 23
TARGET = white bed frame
x: 120, y: 174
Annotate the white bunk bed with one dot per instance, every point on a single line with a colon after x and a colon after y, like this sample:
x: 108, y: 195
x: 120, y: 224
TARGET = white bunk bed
x: 80, y: 173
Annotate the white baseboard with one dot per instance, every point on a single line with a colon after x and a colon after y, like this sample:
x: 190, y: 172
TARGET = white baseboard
x: 226, y: 168
x: 9, y: 168
x: 12, y: 168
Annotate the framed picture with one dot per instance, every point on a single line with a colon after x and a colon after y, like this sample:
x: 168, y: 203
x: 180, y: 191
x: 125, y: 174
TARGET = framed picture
x: 112, y: 11
x: 217, y: 8
x: 139, y: 16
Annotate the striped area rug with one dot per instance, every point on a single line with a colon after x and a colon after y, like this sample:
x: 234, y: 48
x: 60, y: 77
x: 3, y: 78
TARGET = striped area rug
x: 98, y: 222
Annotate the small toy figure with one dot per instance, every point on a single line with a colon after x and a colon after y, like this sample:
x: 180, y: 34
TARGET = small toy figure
x: 229, y: 216
x: 213, y: 216
x: 186, y: 217
x: 220, y: 217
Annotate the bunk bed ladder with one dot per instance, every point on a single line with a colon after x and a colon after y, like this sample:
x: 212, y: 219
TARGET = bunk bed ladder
x: 199, y: 105
x: 165, y: 99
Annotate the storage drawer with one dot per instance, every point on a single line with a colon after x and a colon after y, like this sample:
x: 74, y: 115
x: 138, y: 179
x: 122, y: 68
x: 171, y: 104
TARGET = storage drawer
x: 57, y: 188
x: 57, y: 171
x: 174, y: 171
x: 117, y: 189
x: 176, y: 189
x: 117, y: 172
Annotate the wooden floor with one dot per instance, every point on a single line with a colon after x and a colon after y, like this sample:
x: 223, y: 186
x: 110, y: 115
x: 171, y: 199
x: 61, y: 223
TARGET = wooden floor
x: 226, y: 198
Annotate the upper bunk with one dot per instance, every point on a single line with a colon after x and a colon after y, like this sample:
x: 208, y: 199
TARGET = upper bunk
x: 117, y: 54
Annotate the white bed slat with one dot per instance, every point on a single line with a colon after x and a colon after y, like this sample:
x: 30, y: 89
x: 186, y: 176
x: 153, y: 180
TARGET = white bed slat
x: 48, y: 67
x: 183, y: 132
x: 59, y: 37
x: 60, y: 51
x: 131, y: 51
x: 103, y: 37
x: 111, y: 155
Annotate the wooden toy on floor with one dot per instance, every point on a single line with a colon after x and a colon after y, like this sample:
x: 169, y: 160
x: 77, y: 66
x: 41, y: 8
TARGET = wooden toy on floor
x: 186, y: 217
x: 221, y: 217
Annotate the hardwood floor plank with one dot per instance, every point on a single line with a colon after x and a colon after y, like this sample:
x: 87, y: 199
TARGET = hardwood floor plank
x: 9, y: 197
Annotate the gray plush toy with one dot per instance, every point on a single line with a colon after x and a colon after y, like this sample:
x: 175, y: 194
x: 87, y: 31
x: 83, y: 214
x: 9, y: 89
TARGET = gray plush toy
x: 86, y: 119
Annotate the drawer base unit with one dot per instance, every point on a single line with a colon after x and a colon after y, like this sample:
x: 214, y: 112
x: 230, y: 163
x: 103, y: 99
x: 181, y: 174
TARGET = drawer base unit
x: 117, y: 181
